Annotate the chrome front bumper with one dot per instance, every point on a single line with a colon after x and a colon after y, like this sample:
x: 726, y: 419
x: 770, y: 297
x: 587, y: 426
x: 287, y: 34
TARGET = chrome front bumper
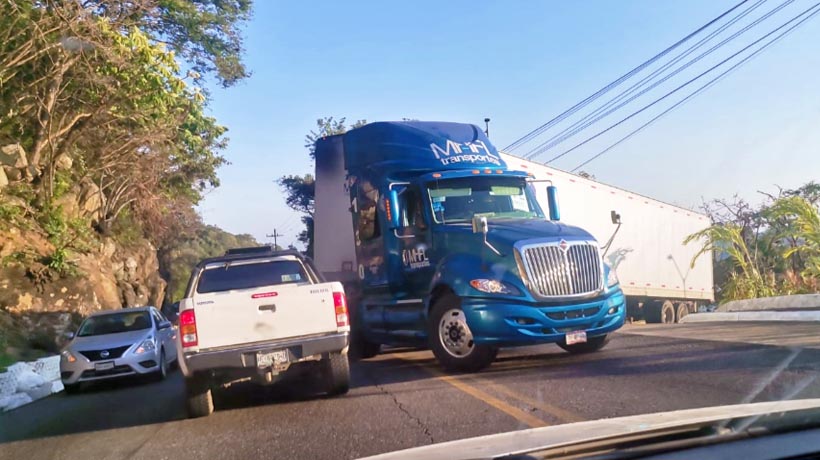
x: 85, y: 370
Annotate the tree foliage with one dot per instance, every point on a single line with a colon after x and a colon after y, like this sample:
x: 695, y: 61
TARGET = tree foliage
x: 300, y: 191
x: 95, y: 91
x: 772, y: 249
x: 206, y: 241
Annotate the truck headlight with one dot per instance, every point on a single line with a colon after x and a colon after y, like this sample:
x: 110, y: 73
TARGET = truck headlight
x: 68, y: 357
x: 611, y: 277
x: 146, y: 346
x: 490, y: 286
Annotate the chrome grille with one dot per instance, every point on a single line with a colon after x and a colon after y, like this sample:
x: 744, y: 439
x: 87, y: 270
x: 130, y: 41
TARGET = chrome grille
x: 555, y: 272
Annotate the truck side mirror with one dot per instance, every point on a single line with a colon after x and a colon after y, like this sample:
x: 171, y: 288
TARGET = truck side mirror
x: 392, y: 209
x: 616, y: 218
x: 480, y: 224
x: 552, y: 199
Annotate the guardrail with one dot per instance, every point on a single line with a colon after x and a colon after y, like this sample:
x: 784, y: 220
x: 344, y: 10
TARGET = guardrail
x: 25, y: 382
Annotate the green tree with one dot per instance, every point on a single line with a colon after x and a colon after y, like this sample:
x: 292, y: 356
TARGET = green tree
x: 95, y: 96
x: 300, y: 191
x: 178, y: 261
x: 772, y: 249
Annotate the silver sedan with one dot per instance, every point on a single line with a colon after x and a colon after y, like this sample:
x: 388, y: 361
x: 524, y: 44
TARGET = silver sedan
x: 118, y: 343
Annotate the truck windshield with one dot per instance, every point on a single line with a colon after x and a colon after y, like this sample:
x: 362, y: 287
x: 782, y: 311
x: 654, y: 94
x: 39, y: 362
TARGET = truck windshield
x: 458, y: 200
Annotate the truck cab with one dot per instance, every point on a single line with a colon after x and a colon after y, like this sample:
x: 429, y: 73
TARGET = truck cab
x: 451, y: 250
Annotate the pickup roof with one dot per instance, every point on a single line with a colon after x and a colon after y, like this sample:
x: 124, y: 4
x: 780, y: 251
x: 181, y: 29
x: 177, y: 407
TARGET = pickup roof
x: 258, y: 313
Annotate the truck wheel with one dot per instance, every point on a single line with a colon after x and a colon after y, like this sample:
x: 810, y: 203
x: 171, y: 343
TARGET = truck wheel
x: 337, y: 374
x: 682, y: 310
x: 199, y: 397
x: 592, y: 344
x: 657, y: 312
x: 451, y: 340
x: 360, y: 348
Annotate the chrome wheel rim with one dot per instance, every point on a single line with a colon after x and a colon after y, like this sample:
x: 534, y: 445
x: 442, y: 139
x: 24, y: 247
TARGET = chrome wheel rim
x: 454, y: 334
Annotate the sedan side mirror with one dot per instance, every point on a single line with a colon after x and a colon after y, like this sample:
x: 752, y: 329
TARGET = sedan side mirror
x: 69, y: 335
x: 164, y: 325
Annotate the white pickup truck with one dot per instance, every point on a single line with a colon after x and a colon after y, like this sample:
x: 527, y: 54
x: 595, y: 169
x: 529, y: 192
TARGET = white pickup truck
x: 257, y: 313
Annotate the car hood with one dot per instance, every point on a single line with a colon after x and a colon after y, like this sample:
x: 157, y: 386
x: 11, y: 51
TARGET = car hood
x: 573, y: 434
x: 97, y: 342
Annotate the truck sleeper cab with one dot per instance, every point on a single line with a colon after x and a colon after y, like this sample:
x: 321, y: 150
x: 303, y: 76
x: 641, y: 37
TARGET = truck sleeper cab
x: 452, y: 251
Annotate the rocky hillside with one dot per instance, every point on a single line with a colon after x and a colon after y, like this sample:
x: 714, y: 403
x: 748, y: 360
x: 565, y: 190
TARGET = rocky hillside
x: 56, y: 266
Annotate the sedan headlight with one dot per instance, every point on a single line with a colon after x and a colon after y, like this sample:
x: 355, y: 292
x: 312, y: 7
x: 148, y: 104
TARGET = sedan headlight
x: 490, y: 286
x: 68, y: 357
x: 146, y: 346
x: 611, y: 277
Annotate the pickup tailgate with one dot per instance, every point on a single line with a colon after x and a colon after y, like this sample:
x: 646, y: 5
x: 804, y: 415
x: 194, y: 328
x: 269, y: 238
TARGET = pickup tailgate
x: 265, y: 313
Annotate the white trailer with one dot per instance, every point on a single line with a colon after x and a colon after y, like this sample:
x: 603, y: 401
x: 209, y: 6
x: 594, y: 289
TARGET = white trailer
x: 652, y: 263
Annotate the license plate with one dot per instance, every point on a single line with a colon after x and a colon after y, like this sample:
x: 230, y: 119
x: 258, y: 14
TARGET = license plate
x: 104, y: 366
x: 576, y: 337
x: 272, y: 358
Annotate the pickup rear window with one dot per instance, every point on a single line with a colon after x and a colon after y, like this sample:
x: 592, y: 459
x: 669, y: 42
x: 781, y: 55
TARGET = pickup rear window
x: 251, y: 275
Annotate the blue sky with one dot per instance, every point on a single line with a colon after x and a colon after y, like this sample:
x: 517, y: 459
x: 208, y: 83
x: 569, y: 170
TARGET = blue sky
x: 519, y: 63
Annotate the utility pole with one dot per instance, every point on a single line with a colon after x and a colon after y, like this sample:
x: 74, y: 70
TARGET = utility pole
x: 275, y: 235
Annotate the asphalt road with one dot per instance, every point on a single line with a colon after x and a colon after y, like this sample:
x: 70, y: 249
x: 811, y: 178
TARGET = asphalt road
x: 401, y: 399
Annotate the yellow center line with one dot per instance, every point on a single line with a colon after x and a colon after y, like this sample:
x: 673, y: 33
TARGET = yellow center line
x: 561, y: 414
x: 557, y: 412
x: 514, y: 412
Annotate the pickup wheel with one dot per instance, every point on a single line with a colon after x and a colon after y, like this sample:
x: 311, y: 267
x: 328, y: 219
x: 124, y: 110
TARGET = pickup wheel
x: 199, y: 397
x: 337, y: 374
x: 591, y: 345
x: 451, y: 340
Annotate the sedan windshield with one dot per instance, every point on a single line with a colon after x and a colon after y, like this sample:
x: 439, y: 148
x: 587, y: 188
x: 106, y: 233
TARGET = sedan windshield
x: 459, y: 200
x: 115, y: 323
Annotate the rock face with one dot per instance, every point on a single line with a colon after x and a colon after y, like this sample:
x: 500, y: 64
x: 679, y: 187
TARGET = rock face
x: 13, y: 161
x: 111, y: 276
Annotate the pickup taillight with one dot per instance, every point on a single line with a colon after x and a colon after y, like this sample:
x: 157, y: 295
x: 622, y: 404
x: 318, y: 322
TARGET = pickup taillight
x: 340, y: 304
x: 187, y: 328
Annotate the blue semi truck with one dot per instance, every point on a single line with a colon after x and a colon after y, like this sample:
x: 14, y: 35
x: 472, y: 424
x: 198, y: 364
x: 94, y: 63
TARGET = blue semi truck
x: 440, y: 245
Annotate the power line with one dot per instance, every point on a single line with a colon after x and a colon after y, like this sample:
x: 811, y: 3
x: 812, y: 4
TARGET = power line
x: 670, y: 93
x: 706, y: 86
x: 662, y: 80
x: 575, y: 128
x: 536, y: 132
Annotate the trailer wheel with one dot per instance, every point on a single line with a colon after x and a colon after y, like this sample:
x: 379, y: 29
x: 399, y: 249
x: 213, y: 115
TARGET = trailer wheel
x: 682, y: 310
x: 657, y: 312
x: 451, y: 340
